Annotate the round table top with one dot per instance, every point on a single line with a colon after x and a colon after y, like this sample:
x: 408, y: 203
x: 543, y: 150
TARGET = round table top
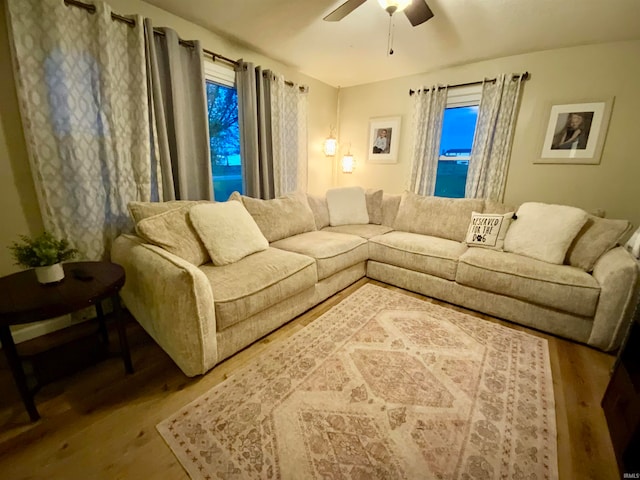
x: 23, y: 299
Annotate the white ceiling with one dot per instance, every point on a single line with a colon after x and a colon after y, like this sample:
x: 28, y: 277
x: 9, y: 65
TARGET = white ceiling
x: 354, y: 50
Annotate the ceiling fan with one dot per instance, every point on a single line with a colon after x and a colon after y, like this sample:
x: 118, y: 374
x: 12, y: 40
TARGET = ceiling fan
x: 417, y: 11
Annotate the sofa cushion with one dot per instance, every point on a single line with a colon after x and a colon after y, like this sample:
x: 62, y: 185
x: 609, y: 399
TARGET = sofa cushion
x: 390, y: 205
x: 281, y: 217
x: 562, y: 287
x: 374, y: 205
x: 173, y: 231
x: 320, y: 210
x: 257, y: 282
x: 227, y: 230
x: 347, y: 205
x: 598, y: 236
x: 421, y: 253
x: 365, y: 231
x: 332, y: 251
x: 544, y: 231
x: 487, y: 230
x: 436, y: 216
x: 141, y: 210
x: 493, y: 206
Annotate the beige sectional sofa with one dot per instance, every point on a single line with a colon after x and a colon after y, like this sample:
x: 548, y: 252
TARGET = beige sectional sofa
x: 200, y: 312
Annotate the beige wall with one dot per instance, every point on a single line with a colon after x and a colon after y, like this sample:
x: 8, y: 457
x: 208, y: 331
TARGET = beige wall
x: 20, y: 211
x: 557, y: 76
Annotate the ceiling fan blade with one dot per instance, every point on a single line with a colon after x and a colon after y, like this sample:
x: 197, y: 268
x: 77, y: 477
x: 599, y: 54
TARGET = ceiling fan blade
x: 418, y: 12
x: 343, y: 10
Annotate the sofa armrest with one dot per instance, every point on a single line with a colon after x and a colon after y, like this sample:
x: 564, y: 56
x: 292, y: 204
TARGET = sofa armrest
x: 617, y: 273
x: 172, y: 300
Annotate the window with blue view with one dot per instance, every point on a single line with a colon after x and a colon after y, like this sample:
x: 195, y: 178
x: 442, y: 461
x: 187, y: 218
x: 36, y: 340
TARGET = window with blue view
x: 224, y: 131
x: 456, y: 141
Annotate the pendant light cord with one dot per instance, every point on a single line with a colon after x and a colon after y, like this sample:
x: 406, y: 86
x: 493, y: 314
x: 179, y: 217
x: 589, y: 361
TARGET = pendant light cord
x: 390, y: 37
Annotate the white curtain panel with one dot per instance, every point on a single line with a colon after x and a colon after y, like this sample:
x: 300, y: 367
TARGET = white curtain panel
x: 489, y: 162
x: 428, y: 112
x: 289, y: 135
x: 83, y: 100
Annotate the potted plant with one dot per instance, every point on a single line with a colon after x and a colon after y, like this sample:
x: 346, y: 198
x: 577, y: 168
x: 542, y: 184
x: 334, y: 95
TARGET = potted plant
x: 44, y: 253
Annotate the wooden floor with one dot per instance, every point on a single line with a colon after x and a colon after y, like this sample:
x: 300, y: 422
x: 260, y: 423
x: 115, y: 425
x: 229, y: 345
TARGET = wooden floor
x: 100, y: 423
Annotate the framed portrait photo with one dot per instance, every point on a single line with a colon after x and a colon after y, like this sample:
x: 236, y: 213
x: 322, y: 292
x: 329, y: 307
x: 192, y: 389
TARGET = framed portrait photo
x: 575, y: 132
x: 384, y: 138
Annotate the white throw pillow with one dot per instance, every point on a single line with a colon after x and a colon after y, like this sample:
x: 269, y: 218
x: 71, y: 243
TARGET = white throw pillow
x: 347, y: 206
x: 488, y: 230
x: 228, y: 231
x: 543, y: 231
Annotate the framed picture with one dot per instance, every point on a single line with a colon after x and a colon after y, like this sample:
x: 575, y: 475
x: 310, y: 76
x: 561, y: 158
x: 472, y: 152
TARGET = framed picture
x: 575, y: 133
x: 384, y: 137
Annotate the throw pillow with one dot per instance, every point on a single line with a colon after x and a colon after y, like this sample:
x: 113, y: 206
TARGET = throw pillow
x: 281, y: 217
x: 488, y: 230
x: 598, y: 236
x: 142, y: 210
x: 320, y: 211
x: 374, y: 205
x: 543, y: 231
x: 347, y: 206
x: 436, y: 216
x: 173, y: 231
x: 227, y: 230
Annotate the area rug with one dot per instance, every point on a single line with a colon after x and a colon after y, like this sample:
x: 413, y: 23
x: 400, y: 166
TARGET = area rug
x: 382, y: 386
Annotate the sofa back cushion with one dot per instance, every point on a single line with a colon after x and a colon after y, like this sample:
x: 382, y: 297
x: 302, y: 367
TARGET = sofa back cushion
x: 227, y: 231
x: 390, y: 205
x: 597, y: 236
x: 436, y: 216
x: 281, y: 217
x: 347, y: 206
x: 141, y: 210
x: 544, y: 231
x: 374, y: 205
x: 320, y: 210
x: 173, y: 231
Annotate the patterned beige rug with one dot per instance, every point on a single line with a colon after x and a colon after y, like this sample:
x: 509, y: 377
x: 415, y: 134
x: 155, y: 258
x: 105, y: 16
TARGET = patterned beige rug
x: 381, y: 386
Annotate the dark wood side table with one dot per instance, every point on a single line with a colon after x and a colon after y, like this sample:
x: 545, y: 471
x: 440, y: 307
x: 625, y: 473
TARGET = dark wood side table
x: 24, y: 300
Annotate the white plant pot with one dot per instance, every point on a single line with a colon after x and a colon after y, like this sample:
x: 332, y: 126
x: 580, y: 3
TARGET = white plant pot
x: 50, y: 273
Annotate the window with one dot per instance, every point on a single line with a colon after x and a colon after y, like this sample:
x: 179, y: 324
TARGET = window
x: 456, y: 140
x: 224, y: 133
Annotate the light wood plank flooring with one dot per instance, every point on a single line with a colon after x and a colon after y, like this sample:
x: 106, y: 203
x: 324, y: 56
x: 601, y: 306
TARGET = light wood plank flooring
x: 100, y: 424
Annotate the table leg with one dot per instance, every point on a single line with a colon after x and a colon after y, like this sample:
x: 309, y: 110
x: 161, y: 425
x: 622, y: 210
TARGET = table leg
x: 122, y: 334
x: 18, y: 373
x: 102, y: 326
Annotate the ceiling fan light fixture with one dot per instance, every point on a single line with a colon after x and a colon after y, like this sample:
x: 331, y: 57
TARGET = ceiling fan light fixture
x: 393, y: 6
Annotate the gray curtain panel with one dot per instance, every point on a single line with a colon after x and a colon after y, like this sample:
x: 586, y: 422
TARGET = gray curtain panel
x: 180, y: 118
x: 254, y: 117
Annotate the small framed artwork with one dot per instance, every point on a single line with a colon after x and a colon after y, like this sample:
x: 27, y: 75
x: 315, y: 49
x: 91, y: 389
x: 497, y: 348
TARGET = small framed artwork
x: 575, y: 133
x: 384, y: 137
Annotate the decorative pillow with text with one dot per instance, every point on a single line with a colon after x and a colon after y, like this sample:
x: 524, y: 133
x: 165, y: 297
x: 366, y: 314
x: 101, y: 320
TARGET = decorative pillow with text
x: 488, y: 230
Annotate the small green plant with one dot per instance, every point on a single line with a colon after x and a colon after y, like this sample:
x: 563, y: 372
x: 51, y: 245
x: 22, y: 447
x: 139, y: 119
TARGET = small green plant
x: 41, y: 251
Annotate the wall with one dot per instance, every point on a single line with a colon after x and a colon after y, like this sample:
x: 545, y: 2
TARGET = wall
x: 20, y: 212
x: 557, y: 76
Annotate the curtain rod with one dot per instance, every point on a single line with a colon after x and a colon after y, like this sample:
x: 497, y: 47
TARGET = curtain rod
x: 132, y: 22
x: 521, y: 77
x: 186, y: 43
